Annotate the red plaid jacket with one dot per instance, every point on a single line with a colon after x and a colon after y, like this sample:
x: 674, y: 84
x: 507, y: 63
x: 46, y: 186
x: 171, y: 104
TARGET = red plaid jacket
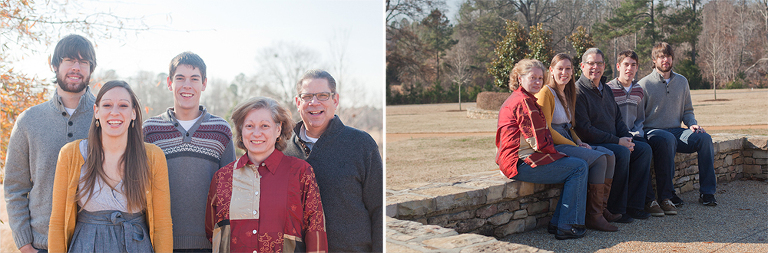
x: 520, y: 116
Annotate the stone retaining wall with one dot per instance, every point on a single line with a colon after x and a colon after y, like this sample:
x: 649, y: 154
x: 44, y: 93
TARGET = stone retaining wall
x: 477, y: 113
x: 488, y: 203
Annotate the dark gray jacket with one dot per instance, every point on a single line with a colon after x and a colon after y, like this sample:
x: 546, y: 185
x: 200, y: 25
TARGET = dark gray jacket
x: 598, y: 119
x: 349, y: 173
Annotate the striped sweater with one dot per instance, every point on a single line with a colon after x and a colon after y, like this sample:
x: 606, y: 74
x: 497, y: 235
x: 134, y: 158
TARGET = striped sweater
x: 630, y: 104
x: 193, y: 157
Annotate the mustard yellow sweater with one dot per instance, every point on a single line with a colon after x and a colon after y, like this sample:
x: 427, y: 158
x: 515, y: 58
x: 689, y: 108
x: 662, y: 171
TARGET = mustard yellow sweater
x: 546, y: 100
x: 64, y: 210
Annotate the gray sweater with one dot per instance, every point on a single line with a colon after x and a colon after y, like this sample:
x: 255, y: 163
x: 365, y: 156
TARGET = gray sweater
x: 193, y: 156
x: 349, y: 173
x: 666, y: 104
x: 37, y: 136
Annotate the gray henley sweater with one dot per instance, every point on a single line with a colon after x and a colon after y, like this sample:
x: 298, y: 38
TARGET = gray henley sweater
x: 193, y: 156
x: 349, y: 173
x: 33, y: 149
x: 666, y: 104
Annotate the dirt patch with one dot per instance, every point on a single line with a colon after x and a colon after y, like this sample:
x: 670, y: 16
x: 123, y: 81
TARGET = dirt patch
x: 716, y: 100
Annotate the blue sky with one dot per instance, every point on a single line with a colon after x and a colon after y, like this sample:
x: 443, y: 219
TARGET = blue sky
x: 229, y: 34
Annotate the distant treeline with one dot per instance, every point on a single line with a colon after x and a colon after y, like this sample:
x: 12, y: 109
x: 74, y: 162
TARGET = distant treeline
x: 718, y: 44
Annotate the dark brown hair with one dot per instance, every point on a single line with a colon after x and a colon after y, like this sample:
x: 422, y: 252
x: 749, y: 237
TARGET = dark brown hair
x: 136, y: 173
x: 187, y: 58
x: 76, y: 47
x: 279, y: 115
x: 626, y: 53
x: 568, y: 99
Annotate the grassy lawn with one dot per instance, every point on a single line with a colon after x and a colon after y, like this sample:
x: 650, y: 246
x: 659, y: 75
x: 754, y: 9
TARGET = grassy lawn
x: 439, y: 149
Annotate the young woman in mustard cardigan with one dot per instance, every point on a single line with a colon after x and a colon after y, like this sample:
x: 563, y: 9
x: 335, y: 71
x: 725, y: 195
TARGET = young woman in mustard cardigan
x: 110, y: 192
x: 557, y: 101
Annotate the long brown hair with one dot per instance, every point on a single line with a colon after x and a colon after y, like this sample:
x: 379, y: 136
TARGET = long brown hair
x: 134, y: 160
x: 568, y: 100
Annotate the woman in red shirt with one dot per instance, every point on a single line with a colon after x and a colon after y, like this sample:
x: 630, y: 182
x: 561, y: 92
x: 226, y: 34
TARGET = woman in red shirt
x: 265, y: 201
x: 526, y: 151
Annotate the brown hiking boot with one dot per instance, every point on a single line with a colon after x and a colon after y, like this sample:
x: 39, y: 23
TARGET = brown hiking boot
x: 610, y: 217
x: 668, y: 207
x: 654, y: 209
x: 594, y: 218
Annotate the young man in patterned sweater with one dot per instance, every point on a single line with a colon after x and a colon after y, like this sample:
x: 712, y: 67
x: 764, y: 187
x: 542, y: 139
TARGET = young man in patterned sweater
x: 196, y: 145
x: 629, y: 97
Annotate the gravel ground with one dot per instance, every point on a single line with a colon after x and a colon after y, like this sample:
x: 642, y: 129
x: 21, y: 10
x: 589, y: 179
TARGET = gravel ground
x: 738, y: 224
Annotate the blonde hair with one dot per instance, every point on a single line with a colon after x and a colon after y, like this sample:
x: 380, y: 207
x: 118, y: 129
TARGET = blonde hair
x: 523, y: 67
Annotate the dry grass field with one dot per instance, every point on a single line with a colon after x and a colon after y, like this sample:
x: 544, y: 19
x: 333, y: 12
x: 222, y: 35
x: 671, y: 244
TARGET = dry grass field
x: 431, y: 143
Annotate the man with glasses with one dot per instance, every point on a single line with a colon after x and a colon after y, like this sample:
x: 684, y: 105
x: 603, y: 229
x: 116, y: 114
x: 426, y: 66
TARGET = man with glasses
x: 346, y: 163
x: 599, y: 122
x: 668, y: 103
x: 37, y: 136
x: 196, y: 144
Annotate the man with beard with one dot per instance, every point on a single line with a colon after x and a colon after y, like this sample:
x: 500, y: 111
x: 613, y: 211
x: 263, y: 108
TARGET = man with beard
x: 599, y: 123
x: 37, y: 136
x: 667, y: 103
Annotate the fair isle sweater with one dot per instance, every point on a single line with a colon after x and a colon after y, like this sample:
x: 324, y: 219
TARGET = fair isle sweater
x: 193, y: 156
x: 37, y: 136
x: 349, y: 172
x: 630, y: 104
x: 666, y: 104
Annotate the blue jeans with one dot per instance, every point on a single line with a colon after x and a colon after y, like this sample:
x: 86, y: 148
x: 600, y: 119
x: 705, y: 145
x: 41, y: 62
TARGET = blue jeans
x: 663, y: 144
x: 684, y: 140
x: 573, y: 172
x: 630, y: 178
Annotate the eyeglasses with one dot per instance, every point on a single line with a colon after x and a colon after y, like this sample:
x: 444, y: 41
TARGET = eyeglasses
x: 595, y: 63
x: 321, y: 96
x: 68, y: 62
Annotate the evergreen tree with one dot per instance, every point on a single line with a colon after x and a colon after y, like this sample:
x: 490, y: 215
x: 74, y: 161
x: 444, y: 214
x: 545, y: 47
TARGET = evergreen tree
x: 539, y: 44
x: 581, y: 40
x: 437, y: 36
x: 509, y: 51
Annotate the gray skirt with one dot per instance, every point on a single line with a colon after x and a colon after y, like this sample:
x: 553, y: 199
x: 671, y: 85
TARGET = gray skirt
x: 110, y: 231
x: 588, y: 155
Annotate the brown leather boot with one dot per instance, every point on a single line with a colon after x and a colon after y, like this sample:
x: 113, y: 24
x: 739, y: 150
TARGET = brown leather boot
x: 606, y: 192
x: 595, y: 219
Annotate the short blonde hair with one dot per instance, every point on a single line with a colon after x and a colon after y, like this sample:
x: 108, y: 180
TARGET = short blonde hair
x: 279, y: 115
x: 523, y: 67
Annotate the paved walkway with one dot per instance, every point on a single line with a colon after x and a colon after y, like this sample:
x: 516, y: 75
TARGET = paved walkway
x: 738, y: 224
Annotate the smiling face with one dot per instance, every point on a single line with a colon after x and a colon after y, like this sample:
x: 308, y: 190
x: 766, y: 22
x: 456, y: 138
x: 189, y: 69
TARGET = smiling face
x: 259, y: 133
x: 532, y: 81
x: 316, y: 114
x: 115, y: 112
x: 592, y: 67
x: 562, y: 72
x: 627, y: 69
x: 73, y: 75
x: 187, y: 85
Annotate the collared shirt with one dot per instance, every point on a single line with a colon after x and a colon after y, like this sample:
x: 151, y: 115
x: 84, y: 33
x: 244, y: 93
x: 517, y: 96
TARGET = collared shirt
x: 273, y: 206
x: 522, y: 134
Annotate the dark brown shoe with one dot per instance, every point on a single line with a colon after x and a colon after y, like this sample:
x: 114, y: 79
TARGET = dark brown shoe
x: 594, y: 218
